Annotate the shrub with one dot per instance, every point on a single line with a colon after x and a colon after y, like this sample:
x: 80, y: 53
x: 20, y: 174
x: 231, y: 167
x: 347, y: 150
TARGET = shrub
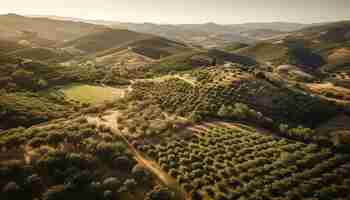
x: 124, y: 163
x: 36, y: 142
x: 130, y: 184
x: 111, y: 183
x: 160, y: 194
x: 55, y: 138
x: 107, y: 151
x: 34, y: 185
x: 12, y: 191
x: 57, y: 192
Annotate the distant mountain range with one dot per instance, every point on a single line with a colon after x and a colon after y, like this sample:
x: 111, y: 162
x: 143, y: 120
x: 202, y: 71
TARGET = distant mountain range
x: 53, y: 29
x: 205, y: 35
x: 57, y: 40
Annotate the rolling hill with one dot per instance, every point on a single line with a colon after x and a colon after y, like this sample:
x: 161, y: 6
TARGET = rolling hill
x: 214, y: 35
x: 8, y: 46
x: 198, y: 59
x: 60, y: 40
x: 206, y: 35
x: 104, y: 40
x: 42, y: 54
x: 325, y: 46
x: 41, y: 30
x: 114, y: 40
x: 118, y: 114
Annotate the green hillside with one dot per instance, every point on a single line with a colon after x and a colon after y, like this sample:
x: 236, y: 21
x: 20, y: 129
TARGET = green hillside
x: 105, y: 40
x: 264, y: 52
x: 315, y: 46
x: 235, y: 46
x: 43, y: 54
x: 157, y: 48
x: 16, y: 27
x: 236, y: 86
x: 8, y: 46
x: 199, y: 58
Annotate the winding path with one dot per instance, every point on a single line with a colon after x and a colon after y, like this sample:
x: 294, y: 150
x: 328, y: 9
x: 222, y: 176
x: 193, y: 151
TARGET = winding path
x: 109, y: 120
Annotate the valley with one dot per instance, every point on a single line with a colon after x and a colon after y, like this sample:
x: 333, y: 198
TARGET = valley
x: 142, y: 111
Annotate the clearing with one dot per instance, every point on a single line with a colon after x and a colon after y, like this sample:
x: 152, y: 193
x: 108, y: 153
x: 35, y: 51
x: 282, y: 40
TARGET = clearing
x: 91, y: 93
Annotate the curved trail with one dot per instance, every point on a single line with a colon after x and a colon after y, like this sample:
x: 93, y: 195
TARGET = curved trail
x: 110, y: 121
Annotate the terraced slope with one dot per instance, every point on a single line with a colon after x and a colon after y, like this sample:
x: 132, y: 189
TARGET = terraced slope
x: 229, y: 163
x: 276, y: 101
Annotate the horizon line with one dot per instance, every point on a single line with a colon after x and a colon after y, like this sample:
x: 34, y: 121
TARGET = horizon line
x: 80, y: 19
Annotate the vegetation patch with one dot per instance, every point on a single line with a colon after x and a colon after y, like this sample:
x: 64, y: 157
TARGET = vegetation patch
x: 228, y: 163
x: 91, y: 94
x: 70, y: 159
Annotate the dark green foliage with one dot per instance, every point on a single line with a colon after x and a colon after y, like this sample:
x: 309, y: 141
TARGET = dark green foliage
x: 157, y: 48
x: 285, y: 104
x: 195, y: 59
x: 151, y: 53
x: 25, y: 109
x: 298, y: 54
x: 43, y: 54
x: 250, y: 165
x: 104, y: 40
x: 141, y: 175
x: 108, y: 151
x: 69, y: 159
x: 34, y: 186
x: 160, y: 194
x: 111, y: 183
x: 222, y: 57
x: 235, y: 46
x: 124, y: 163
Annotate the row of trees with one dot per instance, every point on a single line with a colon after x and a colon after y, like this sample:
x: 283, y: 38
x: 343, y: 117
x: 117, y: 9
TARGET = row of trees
x: 247, y: 164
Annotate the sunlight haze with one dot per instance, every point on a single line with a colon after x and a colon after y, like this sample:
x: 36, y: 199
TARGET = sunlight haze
x: 187, y: 12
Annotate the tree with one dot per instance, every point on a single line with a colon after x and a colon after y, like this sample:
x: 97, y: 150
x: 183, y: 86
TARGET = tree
x: 195, y: 117
x: 111, y: 183
x: 224, y: 111
x: 57, y: 192
x: 108, y: 195
x: 160, y: 193
x: 124, y: 163
x: 196, y: 196
x: 130, y: 185
x: 23, y: 78
x: 12, y: 191
x: 34, y: 185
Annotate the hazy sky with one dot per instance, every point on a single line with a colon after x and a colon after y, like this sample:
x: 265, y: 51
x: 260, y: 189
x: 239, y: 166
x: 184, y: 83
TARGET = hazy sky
x: 187, y: 11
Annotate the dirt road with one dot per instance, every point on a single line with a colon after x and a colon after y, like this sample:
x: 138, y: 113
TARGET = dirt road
x: 109, y: 120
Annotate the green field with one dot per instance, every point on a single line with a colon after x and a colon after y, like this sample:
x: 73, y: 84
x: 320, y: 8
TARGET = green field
x: 91, y: 93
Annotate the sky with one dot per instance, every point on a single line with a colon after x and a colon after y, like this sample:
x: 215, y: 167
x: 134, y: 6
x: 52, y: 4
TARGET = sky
x: 187, y: 11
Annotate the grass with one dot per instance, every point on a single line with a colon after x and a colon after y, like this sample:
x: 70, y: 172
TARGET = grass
x: 42, y: 54
x: 91, y: 94
x: 264, y: 51
x: 235, y: 46
x: 102, y: 41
